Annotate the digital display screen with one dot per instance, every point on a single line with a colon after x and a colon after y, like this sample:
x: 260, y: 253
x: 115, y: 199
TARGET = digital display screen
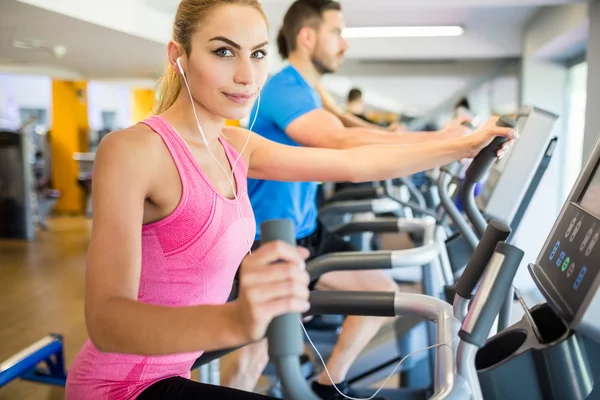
x: 590, y: 201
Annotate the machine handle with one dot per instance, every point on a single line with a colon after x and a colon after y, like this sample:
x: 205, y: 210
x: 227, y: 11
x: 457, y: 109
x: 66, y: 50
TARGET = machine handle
x: 490, y: 297
x: 486, y: 157
x: 495, y: 232
x: 452, y: 169
x: 284, y: 333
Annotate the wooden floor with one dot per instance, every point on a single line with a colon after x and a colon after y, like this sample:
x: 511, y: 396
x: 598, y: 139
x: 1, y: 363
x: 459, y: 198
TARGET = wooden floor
x: 41, y: 292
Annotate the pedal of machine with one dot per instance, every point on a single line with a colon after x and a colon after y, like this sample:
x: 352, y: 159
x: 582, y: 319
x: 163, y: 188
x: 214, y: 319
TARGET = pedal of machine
x: 392, y: 344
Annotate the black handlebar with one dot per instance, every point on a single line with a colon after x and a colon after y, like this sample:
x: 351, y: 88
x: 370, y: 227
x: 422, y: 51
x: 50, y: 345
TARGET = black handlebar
x: 486, y: 157
x: 500, y: 282
x: 284, y: 333
x: 495, y: 232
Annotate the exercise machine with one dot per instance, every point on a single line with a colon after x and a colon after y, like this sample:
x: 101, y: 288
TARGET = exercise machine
x: 392, y: 343
x: 286, y: 342
x: 16, y: 187
x: 552, y: 353
x: 42, y: 362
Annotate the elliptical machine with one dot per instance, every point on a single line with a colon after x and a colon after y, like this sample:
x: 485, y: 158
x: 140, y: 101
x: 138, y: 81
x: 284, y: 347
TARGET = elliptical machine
x: 552, y: 353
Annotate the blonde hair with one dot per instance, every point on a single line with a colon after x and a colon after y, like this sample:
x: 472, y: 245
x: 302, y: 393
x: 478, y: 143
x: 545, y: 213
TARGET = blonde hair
x: 189, y: 14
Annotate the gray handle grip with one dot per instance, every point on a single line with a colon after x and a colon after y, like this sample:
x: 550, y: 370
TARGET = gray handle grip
x: 491, y: 295
x: 495, y: 232
x: 486, y: 157
x: 284, y: 333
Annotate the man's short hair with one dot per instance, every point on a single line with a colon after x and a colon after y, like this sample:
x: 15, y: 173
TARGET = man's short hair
x: 464, y: 103
x: 300, y: 14
x: 354, y: 94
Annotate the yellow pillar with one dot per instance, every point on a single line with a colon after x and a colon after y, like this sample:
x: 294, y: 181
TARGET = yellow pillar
x: 69, y: 134
x: 143, y: 103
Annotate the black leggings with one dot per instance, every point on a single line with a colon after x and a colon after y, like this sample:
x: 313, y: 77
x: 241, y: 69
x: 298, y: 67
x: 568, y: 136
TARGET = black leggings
x: 181, y: 388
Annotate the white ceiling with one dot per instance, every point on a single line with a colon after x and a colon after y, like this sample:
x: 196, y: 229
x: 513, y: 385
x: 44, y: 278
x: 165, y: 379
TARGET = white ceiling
x: 493, y: 28
x: 92, y: 50
x: 125, y: 39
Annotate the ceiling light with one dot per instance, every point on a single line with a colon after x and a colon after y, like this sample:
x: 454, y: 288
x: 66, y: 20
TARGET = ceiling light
x: 402, y: 31
x: 57, y: 51
x: 29, y: 44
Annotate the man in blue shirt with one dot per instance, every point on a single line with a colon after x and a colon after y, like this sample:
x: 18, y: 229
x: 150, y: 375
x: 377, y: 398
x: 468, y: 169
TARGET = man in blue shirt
x: 291, y: 112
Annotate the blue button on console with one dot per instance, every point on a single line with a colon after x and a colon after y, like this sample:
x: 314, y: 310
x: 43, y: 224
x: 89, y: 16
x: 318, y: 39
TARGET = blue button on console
x: 554, y: 250
x: 579, y: 278
x: 560, y: 258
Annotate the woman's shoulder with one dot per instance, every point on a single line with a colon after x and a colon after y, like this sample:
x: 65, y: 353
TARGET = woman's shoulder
x: 137, y: 142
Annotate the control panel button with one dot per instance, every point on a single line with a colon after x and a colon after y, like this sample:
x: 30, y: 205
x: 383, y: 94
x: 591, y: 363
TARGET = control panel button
x: 565, y: 264
x: 571, y: 269
x: 586, y: 239
x: 592, y: 244
x: 560, y: 258
x: 575, y: 231
x: 570, y: 228
x: 553, y: 253
x: 579, y: 278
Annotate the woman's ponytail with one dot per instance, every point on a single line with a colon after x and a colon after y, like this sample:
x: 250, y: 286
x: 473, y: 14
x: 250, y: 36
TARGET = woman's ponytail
x: 167, y: 88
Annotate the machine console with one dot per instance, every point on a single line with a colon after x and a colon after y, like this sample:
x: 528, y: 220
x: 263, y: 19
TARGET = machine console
x: 517, y: 175
x: 567, y: 267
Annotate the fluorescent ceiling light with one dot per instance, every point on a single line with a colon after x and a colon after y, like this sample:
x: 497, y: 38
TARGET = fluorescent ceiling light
x: 402, y: 31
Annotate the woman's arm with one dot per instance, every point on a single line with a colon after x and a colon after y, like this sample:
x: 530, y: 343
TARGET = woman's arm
x: 123, y: 172
x: 273, y: 161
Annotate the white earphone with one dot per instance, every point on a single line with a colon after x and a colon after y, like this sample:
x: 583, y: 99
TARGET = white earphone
x: 230, y: 179
x: 179, y: 65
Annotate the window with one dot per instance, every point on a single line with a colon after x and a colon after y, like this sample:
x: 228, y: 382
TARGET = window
x: 573, y: 145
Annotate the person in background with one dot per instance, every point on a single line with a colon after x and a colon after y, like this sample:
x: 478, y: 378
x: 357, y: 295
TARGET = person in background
x: 291, y: 112
x: 356, y: 105
x: 348, y: 117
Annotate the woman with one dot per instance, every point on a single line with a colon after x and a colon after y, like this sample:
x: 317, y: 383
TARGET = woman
x: 167, y: 237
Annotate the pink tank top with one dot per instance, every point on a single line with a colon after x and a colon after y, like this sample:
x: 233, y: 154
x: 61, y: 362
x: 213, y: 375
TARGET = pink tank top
x: 188, y: 258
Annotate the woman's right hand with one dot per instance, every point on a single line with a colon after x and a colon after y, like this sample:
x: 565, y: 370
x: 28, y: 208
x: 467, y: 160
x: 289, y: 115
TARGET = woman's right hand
x: 483, y: 136
x: 273, y: 281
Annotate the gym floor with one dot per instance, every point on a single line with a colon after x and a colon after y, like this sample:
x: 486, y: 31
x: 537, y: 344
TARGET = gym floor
x: 42, y: 291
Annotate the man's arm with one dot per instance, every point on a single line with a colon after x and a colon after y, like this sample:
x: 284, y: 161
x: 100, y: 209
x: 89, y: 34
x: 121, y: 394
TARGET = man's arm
x: 273, y: 161
x: 321, y: 128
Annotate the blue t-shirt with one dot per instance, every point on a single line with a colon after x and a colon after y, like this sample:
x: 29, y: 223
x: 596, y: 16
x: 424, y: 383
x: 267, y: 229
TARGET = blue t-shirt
x: 285, y: 97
